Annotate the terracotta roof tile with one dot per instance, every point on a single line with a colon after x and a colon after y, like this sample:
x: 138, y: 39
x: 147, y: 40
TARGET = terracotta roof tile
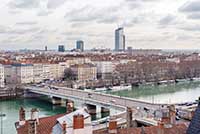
x: 176, y: 129
x: 45, y: 125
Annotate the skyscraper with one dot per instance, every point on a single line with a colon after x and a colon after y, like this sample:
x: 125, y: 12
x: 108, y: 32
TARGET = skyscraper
x: 61, y: 48
x: 80, y: 45
x: 119, y: 39
x: 46, y: 48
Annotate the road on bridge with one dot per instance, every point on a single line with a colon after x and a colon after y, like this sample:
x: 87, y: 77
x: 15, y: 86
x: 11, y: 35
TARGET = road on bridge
x: 105, y: 99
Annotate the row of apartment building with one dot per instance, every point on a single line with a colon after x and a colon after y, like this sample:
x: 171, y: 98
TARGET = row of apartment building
x: 83, y: 70
x: 32, y: 73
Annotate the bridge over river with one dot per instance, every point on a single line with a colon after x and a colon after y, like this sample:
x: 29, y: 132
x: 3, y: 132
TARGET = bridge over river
x: 93, y: 98
x: 106, y: 101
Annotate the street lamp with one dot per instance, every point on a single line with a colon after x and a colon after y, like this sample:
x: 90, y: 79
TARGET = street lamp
x: 1, y: 116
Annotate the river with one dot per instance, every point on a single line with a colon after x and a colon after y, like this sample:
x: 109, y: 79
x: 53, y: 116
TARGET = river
x: 11, y: 109
x: 166, y: 93
x: 170, y: 93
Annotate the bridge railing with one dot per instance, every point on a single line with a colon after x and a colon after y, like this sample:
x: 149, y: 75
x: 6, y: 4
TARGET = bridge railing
x: 102, y: 97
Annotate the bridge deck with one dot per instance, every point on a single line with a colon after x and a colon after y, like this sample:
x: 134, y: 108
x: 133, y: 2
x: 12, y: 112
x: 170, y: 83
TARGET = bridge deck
x: 104, y: 99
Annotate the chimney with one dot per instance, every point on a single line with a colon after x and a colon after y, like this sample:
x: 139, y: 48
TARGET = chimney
x: 64, y: 127
x: 32, y: 127
x: 172, y: 114
x: 129, y: 117
x: 112, y: 126
x: 161, y: 127
x: 167, y: 119
x: 69, y: 106
x: 35, y: 115
x: 165, y: 116
x: 22, y: 117
x: 78, y: 121
x: 143, y: 130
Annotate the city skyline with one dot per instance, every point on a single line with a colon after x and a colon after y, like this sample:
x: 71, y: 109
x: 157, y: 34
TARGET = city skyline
x: 148, y: 24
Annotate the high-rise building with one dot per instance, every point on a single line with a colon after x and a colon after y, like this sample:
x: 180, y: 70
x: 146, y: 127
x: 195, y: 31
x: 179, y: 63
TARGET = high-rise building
x: 119, y: 39
x: 61, y: 48
x: 45, y: 48
x: 80, y: 45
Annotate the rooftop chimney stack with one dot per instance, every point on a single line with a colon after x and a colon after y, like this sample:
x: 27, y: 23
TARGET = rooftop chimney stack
x: 78, y: 121
x: 165, y: 116
x: 172, y: 114
x: 22, y: 116
x: 129, y: 117
x: 161, y: 127
x: 64, y: 127
x: 32, y: 127
x: 112, y: 126
x: 69, y: 106
x: 35, y: 115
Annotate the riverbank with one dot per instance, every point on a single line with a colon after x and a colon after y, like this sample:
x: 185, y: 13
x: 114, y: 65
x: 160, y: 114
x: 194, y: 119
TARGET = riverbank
x: 129, y: 86
x: 10, y: 93
x: 182, y: 92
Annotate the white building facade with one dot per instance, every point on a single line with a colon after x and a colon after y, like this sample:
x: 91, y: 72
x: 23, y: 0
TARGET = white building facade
x: 2, y: 83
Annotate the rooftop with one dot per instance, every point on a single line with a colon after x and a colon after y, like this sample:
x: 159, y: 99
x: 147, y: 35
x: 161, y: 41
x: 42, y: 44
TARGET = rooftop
x: 45, y: 125
x: 176, y: 129
x: 194, y: 127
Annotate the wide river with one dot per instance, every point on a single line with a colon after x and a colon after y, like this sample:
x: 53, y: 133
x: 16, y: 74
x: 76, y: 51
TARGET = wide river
x: 11, y: 109
x: 171, y: 93
x: 166, y: 93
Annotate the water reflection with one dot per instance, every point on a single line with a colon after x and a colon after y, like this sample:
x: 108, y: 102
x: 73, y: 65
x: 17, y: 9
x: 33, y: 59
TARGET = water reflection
x: 170, y: 93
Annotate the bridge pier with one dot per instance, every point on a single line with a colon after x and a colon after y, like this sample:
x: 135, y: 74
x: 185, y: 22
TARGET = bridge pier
x: 56, y: 101
x: 91, y: 109
x: 69, y: 106
x: 105, y: 110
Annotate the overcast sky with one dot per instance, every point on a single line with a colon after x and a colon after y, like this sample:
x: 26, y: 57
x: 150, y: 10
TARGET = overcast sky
x: 167, y: 24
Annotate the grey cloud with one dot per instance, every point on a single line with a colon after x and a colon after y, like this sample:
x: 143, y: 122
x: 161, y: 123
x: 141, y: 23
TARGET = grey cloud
x: 52, y: 4
x: 150, y: 0
x: 14, y: 12
x: 44, y: 13
x: 168, y: 20
x: 24, y: 4
x: 135, y: 4
x: 3, y: 29
x: 23, y: 31
x: 184, y: 37
x: 191, y: 9
x: 11, y: 40
x: 135, y: 20
x: 85, y: 14
x: 78, y: 24
x: 193, y: 28
x: 26, y: 23
x: 194, y: 16
x: 45, y: 31
x: 38, y: 37
x: 142, y: 0
x: 190, y: 6
x: 10, y: 31
x: 108, y: 19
